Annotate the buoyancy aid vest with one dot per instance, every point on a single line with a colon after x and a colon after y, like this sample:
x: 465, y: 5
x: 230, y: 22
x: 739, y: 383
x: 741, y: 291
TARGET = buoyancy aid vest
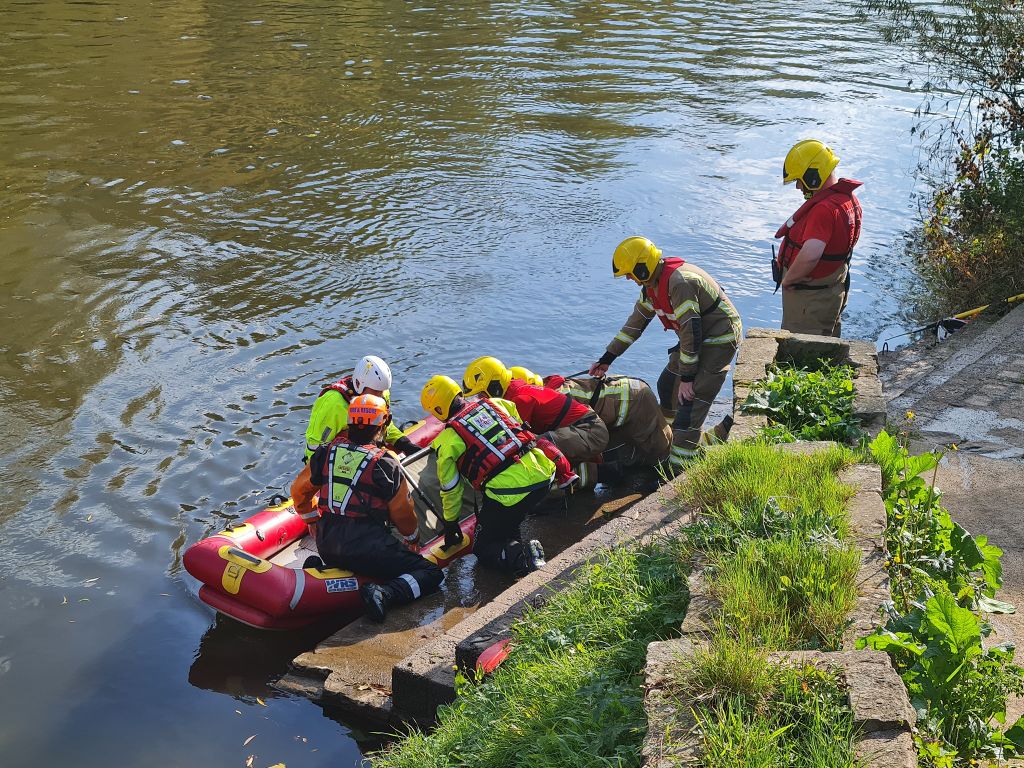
x: 493, y: 441
x: 662, y: 302
x: 839, y: 197
x: 342, y: 386
x: 349, y: 490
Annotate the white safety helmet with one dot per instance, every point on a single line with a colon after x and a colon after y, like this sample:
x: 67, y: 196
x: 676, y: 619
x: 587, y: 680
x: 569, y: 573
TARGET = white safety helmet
x: 371, y: 372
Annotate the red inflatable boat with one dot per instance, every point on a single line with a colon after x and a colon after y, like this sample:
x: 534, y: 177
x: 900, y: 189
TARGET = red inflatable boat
x: 253, y: 571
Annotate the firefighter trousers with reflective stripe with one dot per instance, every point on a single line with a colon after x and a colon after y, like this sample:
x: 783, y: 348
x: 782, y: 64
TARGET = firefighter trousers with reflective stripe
x: 499, y: 537
x: 817, y: 308
x: 583, y: 440
x: 645, y: 430
x: 687, y: 435
x: 367, y: 548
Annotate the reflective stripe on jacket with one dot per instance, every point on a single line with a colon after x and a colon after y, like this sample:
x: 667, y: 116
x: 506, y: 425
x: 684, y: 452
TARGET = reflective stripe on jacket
x: 509, y: 486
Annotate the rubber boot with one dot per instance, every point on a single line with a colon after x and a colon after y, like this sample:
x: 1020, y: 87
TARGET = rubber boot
x: 314, y: 561
x: 376, y: 598
x: 525, y: 558
x: 535, y: 555
x: 722, y: 428
x: 588, y: 475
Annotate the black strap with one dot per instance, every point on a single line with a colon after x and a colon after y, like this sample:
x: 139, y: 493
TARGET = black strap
x: 803, y: 287
x: 561, y: 414
x: 597, y: 392
x: 713, y: 307
x: 844, y: 257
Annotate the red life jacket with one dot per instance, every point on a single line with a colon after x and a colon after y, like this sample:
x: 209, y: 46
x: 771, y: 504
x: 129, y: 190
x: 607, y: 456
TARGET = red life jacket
x: 494, y: 442
x: 349, y: 490
x: 839, y: 197
x: 543, y: 408
x: 662, y: 302
x: 342, y: 386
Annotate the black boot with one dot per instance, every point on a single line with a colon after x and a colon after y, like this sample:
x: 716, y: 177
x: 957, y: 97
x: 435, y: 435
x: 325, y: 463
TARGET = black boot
x: 535, y: 554
x: 314, y: 561
x: 376, y: 598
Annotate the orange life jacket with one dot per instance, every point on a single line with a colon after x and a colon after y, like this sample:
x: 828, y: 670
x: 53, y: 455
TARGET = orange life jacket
x: 662, y: 302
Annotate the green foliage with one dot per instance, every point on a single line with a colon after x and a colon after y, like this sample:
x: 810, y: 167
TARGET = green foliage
x: 804, y: 404
x: 925, y: 545
x: 970, y: 249
x: 942, y: 580
x: 958, y: 687
x: 799, y: 717
x: 570, y: 692
x: 790, y: 593
x: 756, y: 490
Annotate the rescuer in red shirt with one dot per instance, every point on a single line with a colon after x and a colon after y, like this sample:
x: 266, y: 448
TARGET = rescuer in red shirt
x: 813, y: 262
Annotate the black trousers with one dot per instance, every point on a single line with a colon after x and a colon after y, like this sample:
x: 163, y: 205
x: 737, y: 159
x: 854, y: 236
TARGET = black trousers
x: 366, y: 547
x: 499, y: 538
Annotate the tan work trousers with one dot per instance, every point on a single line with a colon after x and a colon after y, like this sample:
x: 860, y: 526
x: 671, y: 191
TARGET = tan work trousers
x: 817, y: 308
x: 645, y: 428
x: 582, y: 440
x: 687, y: 435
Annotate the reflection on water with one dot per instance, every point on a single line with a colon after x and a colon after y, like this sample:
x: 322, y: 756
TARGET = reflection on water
x: 210, y: 208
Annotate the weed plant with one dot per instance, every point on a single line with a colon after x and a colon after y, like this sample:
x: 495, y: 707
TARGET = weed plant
x: 570, y: 693
x: 943, y: 582
x: 794, y: 716
x: 804, y: 404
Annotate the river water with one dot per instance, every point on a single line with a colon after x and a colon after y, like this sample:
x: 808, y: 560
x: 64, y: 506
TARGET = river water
x: 210, y: 208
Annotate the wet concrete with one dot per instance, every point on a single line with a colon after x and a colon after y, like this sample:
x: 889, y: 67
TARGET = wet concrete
x: 352, y: 669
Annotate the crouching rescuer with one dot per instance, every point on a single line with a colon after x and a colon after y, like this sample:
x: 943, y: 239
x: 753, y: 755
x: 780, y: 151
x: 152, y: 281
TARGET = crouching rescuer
x: 484, y: 442
x: 689, y: 302
x: 361, y: 491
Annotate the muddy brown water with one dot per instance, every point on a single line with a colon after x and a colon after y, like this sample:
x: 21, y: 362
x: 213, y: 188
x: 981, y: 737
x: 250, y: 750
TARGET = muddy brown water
x: 210, y: 208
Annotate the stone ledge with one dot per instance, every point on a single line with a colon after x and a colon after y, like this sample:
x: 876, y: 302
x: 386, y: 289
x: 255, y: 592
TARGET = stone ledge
x: 763, y: 347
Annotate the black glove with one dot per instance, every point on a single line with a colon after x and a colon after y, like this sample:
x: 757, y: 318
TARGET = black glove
x: 452, y: 533
x: 406, y: 446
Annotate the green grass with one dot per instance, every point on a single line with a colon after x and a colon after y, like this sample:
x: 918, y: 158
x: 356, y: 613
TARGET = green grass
x: 570, y: 693
x: 803, y: 720
x: 756, y: 490
x: 751, y: 712
x: 789, y: 592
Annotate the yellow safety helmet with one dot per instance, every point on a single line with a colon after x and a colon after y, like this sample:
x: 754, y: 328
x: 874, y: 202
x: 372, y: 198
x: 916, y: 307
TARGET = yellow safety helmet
x: 438, y: 395
x: 636, y: 256
x: 525, y: 374
x: 486, y: 374
x: 811, y: 162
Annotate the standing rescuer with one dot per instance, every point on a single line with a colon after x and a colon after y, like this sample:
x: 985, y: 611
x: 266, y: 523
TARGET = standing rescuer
x: 688, y: 301
x: 485, y: 442
x: 329, y: 417
x: 361, y: 490
x: 813, y: 262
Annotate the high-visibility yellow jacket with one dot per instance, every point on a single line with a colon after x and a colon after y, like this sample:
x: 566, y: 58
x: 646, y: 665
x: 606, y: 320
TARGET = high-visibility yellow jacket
x: 508, y: 487
x: 330, y: 416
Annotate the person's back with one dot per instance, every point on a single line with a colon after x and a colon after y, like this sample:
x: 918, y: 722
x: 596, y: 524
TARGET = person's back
x: 361, y: 490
